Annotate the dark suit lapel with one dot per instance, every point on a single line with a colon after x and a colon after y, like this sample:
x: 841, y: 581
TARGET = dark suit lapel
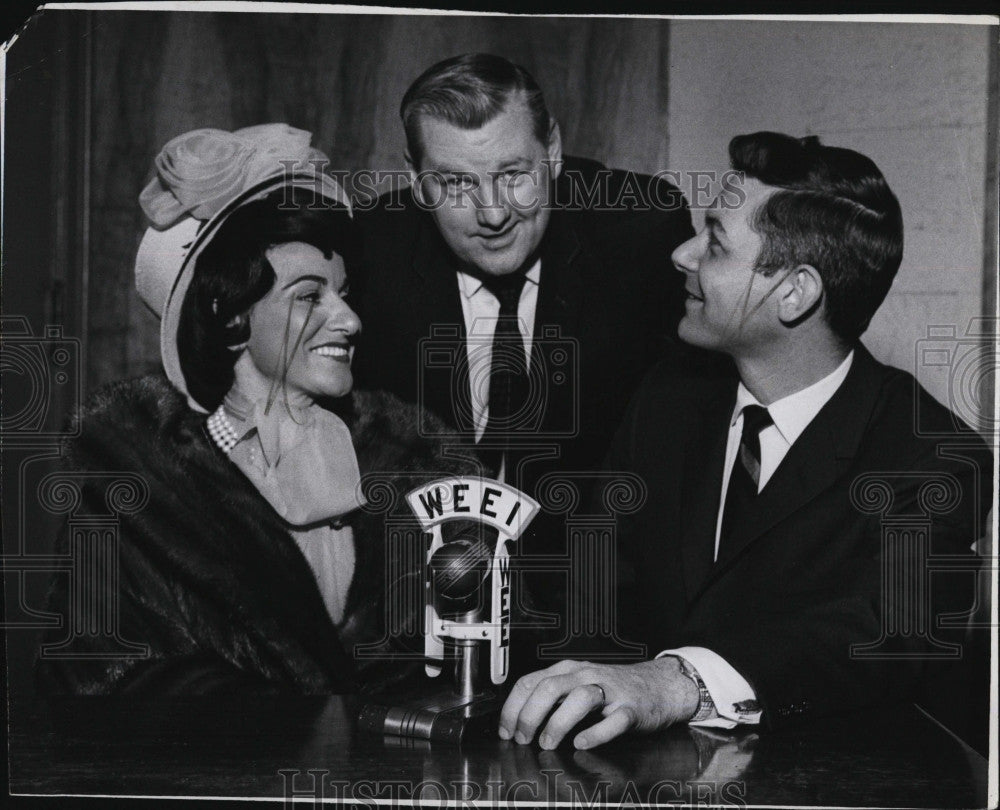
x: 560, y: 281
x: 558, y: 310
x: 819, y: 456
x: 701, y: 481
x: 437, y: 310
x: 435, y: 267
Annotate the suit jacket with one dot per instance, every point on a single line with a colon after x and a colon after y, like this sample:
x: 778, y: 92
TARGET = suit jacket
x: 608, y: 305
x: 801, y: 580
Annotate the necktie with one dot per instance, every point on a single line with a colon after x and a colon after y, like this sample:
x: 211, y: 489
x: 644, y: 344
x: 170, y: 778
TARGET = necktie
x: 508, y: 368
x: 744, y: 479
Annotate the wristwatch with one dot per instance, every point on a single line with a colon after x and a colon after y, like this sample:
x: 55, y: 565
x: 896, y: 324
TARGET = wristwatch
x: 706, y: 706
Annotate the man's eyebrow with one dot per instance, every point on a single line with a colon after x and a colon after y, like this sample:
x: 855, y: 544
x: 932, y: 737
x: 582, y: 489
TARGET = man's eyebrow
x: 456, y: 172
x: 300, y: 279
x: 514, y: 163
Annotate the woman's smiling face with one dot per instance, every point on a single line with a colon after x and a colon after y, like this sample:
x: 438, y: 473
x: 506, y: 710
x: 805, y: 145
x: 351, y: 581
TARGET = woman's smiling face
x: 302, y: 332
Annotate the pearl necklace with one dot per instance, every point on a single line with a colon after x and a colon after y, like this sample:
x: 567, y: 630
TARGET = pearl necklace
x: 221, y: 431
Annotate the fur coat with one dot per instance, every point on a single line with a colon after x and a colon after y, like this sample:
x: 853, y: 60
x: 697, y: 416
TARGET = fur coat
x: 208, y: 576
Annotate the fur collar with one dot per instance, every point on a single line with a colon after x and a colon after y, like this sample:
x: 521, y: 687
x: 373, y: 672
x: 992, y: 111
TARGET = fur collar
x: 213, y: 559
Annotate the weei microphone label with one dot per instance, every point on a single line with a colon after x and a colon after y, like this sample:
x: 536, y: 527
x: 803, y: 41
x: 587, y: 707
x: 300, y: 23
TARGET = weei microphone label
x: 508, y: 511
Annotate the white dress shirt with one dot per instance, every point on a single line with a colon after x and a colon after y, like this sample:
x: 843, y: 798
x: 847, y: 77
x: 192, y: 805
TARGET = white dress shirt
x: 480, y: 309
x: 790, y: 416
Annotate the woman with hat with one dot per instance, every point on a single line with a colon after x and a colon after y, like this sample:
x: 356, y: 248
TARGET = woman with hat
x: 256, y: 561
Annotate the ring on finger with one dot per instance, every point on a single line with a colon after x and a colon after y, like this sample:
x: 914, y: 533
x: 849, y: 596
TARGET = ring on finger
x: 604, y: 697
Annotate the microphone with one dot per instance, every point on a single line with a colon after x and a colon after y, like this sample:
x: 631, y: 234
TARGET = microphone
x: 471, y: 522
x: 458, y: 570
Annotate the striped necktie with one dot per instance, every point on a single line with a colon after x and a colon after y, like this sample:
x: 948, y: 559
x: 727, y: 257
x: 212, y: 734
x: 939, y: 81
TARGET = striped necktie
x: 745, y: 478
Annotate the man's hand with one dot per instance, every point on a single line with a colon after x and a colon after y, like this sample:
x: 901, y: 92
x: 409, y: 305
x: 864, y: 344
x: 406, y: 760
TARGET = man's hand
x: 636, y: 697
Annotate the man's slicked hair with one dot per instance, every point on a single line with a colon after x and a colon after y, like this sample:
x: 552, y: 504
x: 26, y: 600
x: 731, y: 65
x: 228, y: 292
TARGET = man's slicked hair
x: 469, y: 91
x: 835, y: 212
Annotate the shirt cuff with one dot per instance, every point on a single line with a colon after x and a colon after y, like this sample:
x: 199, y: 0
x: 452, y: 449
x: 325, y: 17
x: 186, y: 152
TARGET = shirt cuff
x: 726, y: 686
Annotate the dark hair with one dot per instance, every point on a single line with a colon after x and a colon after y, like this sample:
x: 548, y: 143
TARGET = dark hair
x: 835, y: 212
x: 469, y: 91
x: 232, y: 274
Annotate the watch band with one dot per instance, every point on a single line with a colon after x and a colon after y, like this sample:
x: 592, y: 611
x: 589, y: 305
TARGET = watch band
x: 706, y: 706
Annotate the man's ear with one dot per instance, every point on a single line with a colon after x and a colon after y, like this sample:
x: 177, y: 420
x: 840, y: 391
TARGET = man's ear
x: 800, y: 294
x: 555, y: 149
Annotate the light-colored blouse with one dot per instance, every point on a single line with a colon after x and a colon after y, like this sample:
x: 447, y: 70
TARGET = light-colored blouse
x: 302, y: 461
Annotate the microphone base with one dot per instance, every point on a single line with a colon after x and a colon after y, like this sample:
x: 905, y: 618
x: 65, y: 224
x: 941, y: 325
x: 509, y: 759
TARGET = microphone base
x: 440, y: 716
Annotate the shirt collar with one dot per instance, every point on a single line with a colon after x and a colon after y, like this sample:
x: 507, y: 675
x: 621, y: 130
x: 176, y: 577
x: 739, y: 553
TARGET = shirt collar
x: 308, y: 471
x: 792, y: 414
x: 470, y: 284
x: 247, y: 416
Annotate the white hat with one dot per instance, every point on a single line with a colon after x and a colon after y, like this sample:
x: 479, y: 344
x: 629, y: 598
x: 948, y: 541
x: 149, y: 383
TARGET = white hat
x: 202, y: 177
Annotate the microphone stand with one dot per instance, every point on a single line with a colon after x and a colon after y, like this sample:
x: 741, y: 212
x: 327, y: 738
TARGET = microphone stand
x: 466, y: 678
x: 445, y: 714
x: 458, y: 599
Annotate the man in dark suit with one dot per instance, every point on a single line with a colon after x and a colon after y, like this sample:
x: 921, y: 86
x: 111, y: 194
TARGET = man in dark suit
x: 518, y: 296
x: 779, y: 565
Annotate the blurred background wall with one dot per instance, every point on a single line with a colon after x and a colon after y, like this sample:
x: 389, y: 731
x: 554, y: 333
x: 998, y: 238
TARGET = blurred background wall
x: 917, y: 100
x: 91, y: 96
x: 341, y: 77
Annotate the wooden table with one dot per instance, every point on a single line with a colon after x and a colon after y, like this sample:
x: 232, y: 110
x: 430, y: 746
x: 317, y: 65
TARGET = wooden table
x: 265, y: 747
